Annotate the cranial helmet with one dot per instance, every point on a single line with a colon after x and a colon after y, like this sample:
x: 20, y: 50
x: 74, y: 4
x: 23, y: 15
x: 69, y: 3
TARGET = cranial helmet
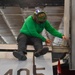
x: 39, y: 16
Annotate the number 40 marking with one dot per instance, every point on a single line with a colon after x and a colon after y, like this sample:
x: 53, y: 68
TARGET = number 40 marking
x: 10, y: 72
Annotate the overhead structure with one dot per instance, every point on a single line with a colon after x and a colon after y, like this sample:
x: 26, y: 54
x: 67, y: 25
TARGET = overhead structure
x: 31, y: 3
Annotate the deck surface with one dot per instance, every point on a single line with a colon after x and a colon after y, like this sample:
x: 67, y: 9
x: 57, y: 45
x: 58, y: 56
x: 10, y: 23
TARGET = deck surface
x: 9, y: 65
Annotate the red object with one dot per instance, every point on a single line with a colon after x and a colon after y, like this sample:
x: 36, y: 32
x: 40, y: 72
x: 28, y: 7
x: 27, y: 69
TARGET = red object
x: 59, y: 67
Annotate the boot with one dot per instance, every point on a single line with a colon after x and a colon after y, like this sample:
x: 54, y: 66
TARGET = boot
x: 20, y: 55
x: 41, y: 52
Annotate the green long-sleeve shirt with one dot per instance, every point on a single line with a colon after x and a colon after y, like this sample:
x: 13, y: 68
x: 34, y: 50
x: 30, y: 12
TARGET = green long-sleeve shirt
x: 31, y: 28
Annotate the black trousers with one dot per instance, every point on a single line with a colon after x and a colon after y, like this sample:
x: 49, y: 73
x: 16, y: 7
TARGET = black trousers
x: 24, y: 40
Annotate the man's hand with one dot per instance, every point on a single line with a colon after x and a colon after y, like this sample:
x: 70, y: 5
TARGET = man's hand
x: 48, y: 42
x: 64, y: 38
x: 65, y: 41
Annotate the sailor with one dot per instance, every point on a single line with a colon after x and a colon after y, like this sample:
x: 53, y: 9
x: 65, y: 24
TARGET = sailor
x: 30, y: 34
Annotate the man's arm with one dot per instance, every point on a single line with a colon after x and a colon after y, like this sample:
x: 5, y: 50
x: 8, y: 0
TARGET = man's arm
x: 52, y: 30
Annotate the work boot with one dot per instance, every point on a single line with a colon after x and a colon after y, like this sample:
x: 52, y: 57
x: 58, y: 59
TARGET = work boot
x: 41, y: 52
x: 20, y: 55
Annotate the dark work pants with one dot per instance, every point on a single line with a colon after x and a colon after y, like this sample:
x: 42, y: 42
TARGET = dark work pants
x: 24, y: 40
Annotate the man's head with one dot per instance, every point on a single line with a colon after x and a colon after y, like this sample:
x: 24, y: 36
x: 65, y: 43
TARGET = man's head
x: 39, y: 16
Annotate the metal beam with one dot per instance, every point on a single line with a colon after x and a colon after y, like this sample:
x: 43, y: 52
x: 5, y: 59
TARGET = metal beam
x: 2, y: 40
x: 7, y: 22
x: 5, y: 31
x: 72, y: 35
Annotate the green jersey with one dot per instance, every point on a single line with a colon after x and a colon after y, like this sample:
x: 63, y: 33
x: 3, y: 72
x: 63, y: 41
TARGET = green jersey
x: 31, y: 28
